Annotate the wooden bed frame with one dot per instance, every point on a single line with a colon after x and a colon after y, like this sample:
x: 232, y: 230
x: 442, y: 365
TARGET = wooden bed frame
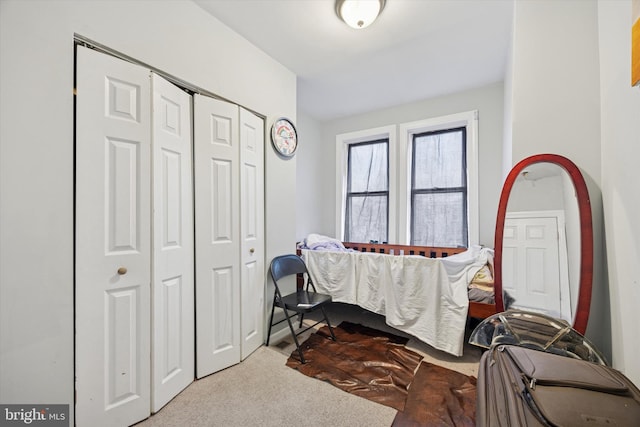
x: 477, y: 310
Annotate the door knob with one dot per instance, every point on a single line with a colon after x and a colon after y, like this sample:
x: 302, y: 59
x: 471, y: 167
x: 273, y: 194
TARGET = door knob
x: 122, y: 270
x: 252, y: 250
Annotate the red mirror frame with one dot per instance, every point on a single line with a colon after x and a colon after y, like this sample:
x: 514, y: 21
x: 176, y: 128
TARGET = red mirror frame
x: 581, y: 316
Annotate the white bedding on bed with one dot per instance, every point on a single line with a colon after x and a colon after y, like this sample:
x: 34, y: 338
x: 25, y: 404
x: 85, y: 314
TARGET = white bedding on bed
x: 425, y: 297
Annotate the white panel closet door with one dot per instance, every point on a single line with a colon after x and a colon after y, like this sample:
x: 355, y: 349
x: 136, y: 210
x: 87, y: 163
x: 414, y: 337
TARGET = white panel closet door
x: 217, y: 213
x: 252, y: 230
x: 173, y: 345
x: 113, y: 251
x: 530, y: 264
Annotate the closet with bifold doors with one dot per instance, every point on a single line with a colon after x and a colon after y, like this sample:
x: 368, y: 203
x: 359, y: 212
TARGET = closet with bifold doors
x: 169, y: 238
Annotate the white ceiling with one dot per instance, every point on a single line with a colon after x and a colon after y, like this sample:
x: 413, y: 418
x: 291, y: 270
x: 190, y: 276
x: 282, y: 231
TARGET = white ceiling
x: 417, y: 49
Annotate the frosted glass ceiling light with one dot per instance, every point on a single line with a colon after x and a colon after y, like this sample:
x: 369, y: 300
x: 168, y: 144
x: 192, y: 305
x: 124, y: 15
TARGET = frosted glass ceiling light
x: 359, y: 13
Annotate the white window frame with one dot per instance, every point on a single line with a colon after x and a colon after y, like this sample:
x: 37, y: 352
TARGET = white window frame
x: 468, y: 120
x: 342, y: 149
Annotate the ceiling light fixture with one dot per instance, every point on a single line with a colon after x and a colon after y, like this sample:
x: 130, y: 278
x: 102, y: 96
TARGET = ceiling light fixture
x: 359, y: 13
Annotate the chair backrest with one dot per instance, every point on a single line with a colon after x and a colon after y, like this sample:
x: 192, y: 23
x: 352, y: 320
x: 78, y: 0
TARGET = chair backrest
x: 286, y: 265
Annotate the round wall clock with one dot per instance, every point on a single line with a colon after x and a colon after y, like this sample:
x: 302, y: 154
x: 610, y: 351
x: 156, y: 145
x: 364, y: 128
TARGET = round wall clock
x: 284, y: 137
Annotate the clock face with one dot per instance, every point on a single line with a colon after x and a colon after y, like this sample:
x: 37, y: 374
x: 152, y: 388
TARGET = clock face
x: 284, y: 137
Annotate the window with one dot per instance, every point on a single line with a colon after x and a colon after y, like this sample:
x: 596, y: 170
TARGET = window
x: 367, y: 198
x: 439, y: 188
x: 429, y: 195
x: 366, y: 185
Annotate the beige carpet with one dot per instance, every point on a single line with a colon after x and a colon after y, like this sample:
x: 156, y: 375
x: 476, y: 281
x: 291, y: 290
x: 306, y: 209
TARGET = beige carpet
x: 263, y: 391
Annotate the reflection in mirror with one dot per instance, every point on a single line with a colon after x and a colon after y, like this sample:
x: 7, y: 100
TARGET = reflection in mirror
x: 541, y: 242
x: 543, y: 247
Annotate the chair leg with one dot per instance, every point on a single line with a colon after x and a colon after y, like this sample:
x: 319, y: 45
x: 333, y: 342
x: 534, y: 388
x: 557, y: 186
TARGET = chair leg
x: 326, y: 319
x: 273, y: 307
x: 295, y: 337
x: 301, y: 319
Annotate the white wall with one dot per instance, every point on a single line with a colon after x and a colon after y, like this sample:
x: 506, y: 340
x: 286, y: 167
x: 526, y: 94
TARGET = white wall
x: 487, y: 100
x: 543, y: 194
x: 620, y: 110
x: 311, y: 193
x: 36, y: 157
x: 555, y: 97
x: 555, y: 83
x: 507, y: 144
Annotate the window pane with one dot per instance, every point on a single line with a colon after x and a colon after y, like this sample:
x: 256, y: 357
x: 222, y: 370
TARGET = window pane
x: 368, y: 167
x: 439, y: 219
x: 438, y: 160
x: 367, y: 219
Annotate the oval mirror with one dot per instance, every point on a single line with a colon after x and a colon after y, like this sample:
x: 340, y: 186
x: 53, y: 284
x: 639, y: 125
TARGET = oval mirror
x: 544, y: 240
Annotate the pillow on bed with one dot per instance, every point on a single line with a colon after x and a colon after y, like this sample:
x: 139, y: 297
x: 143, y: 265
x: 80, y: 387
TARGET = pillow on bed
x: 483, y: 288
x: 483, y: 296
x: 484, y: 277
x: 320, y: 242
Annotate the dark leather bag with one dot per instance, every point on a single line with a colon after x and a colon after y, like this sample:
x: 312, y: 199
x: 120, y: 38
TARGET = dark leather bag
x: 518, y: 386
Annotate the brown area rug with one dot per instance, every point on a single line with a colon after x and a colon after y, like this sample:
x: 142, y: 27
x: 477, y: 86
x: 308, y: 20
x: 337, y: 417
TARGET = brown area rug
x: 377, y: 366
x: 439, y: 397
x: 366, y: 362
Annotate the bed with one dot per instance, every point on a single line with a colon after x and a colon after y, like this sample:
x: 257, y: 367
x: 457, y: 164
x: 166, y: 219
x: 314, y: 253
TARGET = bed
x: 400, y: 282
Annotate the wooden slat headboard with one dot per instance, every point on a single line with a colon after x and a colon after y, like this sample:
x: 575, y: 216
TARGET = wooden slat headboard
x: 383, y: 248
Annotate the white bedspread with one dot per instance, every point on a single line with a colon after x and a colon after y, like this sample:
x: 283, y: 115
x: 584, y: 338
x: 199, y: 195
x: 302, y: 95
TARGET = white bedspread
x: 425, y: 297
